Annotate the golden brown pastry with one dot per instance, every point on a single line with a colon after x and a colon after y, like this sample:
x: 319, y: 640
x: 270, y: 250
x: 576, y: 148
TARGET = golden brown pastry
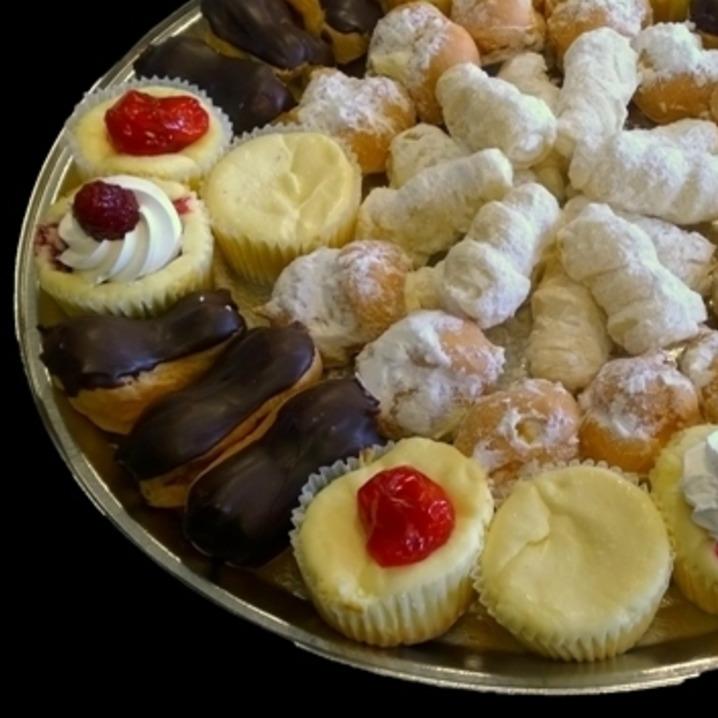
x: 365, y: 113
x: 572, y: 18
x: 345, y: 298
x: 415, y: 44
x: 426, y: 371
x: 678, y: 77
x: 532, y: 420
x: 501, y: 28
x: 632, y: 408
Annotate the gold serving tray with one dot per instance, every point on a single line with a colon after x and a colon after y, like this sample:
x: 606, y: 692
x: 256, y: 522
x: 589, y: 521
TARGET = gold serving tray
x: 477, y: 654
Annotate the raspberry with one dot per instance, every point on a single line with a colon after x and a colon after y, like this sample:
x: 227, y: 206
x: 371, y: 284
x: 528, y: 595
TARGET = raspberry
x: 406, y: 516
x: 106, y: 211
x: 141, y: 124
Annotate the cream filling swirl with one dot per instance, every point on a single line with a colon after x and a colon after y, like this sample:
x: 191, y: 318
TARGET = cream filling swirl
x: 150, y: 246
x: 700, y: 483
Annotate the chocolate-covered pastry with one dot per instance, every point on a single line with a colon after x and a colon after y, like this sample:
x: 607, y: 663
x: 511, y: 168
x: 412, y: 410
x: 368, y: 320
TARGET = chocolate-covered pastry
x: 239, y: 510
x: 249, y: 92
x: 347, y: 24
x: 113, y: 368
x: 231, y: 404
x: 704, y: 15
x: 267, y: 30
x: 349, y: 16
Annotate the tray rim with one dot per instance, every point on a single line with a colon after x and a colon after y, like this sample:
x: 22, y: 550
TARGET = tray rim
x: 25, y: 293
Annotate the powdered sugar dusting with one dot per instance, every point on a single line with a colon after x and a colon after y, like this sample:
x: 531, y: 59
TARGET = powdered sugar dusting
x: 335, y: 102
x: 405, y: 41
x: 633, y: 398
x: 699, y: 362
x: 624, y: 16
x: 423, y: 384
x: 670, y: 49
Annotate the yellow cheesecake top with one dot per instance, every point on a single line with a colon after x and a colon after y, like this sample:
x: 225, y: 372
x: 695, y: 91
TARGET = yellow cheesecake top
x: 692, y: 542
x: 97, y: 155
x: 284, y: 189
x: 331, y: 544
x: 575, y: 552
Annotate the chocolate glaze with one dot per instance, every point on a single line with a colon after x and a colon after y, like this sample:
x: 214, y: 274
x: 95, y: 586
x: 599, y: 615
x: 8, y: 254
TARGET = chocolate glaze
x: 266, y: 29
x: 240, y: 510
x: 102, y: 352
x: 249, y: 92
x: 189, y: 423
x: 704, y: 13
x: 350, y: 16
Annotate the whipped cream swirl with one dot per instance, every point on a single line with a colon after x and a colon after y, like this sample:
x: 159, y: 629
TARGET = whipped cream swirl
x: 150, y: 246
x: 700, y: 483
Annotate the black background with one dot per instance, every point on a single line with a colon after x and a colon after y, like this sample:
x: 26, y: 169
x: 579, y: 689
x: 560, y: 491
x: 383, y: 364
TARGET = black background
x: 95, y: 614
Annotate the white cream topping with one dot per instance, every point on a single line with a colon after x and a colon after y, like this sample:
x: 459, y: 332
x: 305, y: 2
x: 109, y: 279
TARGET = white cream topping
x: 700, y: 483
x: 150, y: 246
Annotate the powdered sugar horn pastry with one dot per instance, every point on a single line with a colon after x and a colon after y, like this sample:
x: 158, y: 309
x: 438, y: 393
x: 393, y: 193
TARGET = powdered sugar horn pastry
x: 529, y: 73
x: 414, y: 44
x: 688, y: 255
x: 678, y: 77
x: 691, y: 135
x: 482, y: 111
x: 643, y: 173
x: 568, y: 341
x: 600, y: 77
x: 429, y: 213
x: 487, y: 276
x: 647, y: 306
x: 417, y: 149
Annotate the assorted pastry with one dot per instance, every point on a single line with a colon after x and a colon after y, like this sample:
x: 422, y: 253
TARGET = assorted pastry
x: 343, y: 276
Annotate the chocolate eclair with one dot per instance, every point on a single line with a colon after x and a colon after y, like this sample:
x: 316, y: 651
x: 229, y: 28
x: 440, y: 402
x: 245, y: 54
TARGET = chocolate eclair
x: 233, y: 403
x: 347, y: 24
x: 704, y: 15
x: 240, y: 509
x: 113, y: 368
x: 267, y: 30
x: 249, y: 92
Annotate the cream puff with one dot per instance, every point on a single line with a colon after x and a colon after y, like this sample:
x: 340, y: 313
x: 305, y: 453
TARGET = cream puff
x: 345, y: 298
x: 532, y: 420
x: 572, y: 18
x: 501, y: 28
x: 678, y: 77
x: 415, y: 44
x: 364, y: 113
x: 427, y: 370
x: 632, y: 409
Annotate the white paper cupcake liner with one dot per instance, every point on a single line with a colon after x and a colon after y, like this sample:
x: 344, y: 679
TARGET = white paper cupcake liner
x: 415, y: 615
x: 90, y: 168
x: 565, y: 647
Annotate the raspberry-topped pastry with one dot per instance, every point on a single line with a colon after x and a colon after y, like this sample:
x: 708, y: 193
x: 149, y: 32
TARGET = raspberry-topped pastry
x: 124, y: 245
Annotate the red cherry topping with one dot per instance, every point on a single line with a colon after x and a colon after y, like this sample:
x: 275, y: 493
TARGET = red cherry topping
x: 406, y: 516
x: 106, y: 211
x: 141, y: 124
